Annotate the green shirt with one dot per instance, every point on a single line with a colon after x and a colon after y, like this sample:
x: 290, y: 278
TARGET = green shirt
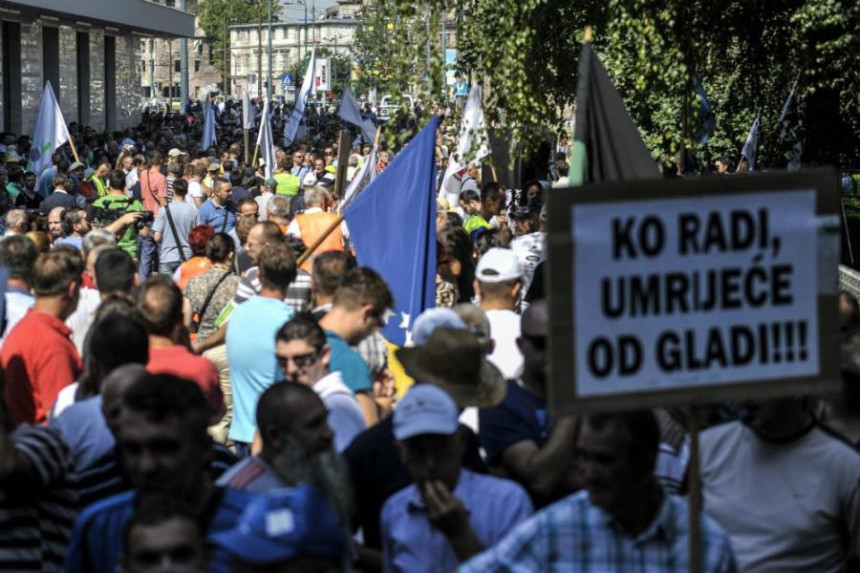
x: 128, y: 240
x: 475, y: 222
x: 288, y: 184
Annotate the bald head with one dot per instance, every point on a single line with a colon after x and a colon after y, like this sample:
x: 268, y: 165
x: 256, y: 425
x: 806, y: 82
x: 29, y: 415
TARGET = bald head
x: 113, y: 387
x: 536, y: 319
x: 290, y: 413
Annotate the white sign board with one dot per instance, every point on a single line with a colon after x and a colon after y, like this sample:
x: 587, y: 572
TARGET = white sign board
x: 322, y: 75
x: 681, y: 293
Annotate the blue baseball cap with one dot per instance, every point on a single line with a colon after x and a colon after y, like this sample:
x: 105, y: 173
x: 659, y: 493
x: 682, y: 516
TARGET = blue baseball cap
x: 426, y: 409
x: 434, y: 318
x: 283, y: 524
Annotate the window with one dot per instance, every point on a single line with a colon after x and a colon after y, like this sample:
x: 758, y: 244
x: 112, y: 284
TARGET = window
x: 199, y: 48
x: 211, y: 56
x: 196, y: 65
x: 143, y: 65
x: 177, y: 65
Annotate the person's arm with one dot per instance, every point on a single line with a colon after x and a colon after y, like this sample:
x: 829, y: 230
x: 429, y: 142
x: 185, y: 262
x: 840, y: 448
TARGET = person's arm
x: 541, y: 469
x: 217, y: 337
x: 446, y: 512
x: 368, y: 407
x: 157, y: 237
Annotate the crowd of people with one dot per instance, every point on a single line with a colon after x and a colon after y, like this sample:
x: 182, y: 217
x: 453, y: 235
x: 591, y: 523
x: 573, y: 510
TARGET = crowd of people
x: 185, y: 389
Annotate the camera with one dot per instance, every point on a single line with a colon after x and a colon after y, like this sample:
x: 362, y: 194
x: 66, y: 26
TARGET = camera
x: 102, y: 217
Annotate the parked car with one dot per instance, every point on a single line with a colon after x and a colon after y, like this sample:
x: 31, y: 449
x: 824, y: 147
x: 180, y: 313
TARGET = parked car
x: 388, y: 106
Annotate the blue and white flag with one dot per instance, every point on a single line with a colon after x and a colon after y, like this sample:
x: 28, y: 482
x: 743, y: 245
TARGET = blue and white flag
x: 249, y: 120
x: 751, y: 145
x: 350, y: 113
x: 790, y: 125
x: 51, y: 132
x: 360, y: 181
x: 209, y: 137
x: 265, y: 142
x: 392, y: 226
x: 706, y: 115
x: 292, y: 127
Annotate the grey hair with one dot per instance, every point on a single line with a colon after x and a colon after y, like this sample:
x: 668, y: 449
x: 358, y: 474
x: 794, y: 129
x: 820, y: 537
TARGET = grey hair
x: 278, y: 206
x: 314, y: 196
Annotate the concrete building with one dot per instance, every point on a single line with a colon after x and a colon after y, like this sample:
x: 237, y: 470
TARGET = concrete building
x: 161, y: 66
x: 88, y: 49
x: 334, y: 29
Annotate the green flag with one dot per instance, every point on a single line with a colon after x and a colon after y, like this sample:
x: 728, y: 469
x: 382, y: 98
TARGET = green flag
x: 606, y: 145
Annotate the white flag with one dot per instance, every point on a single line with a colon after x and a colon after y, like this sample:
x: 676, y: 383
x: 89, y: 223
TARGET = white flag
x: 472, y: 131
x: 361, y: 180
x: 209, y: 137
x: 751, y: 145
x: 249, y: 121
x: 51, y: 132
x: 265, y: 143
x: 292, y: 126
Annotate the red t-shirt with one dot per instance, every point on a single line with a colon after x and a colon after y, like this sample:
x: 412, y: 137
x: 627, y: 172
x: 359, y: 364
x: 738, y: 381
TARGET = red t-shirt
x: 152, y: 182
x: 179, y: 361
x: 39, y: 360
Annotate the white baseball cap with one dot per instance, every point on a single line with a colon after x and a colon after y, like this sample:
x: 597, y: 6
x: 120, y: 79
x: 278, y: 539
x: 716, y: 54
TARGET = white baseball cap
x: 499, y: 265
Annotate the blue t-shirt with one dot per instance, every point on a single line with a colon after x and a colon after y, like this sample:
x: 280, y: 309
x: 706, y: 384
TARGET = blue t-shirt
x: 214, y: 216
x: 353, y: 369
x: 522, y: 416
x: 82, y: 426
x: 97, y: 541
x: 251, y: 355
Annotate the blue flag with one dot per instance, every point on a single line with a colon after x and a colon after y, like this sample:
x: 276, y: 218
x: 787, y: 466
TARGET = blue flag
x: 706, y: 115
x: 392, y: 226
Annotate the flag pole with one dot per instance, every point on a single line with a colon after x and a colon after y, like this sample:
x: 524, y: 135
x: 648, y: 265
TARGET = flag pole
x: 310, y: 250
x: 342, y: 162
x: 246, y: 145
x: 74, y: 151
x: 336, y: 223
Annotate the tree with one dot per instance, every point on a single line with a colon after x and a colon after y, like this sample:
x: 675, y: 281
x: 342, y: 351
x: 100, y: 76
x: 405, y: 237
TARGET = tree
x: 215, y: 16
x: 745, y: 54
x: 341, y: 69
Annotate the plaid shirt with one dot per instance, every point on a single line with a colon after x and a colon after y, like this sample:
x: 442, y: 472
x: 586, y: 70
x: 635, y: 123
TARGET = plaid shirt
x: 298, y: 293
x: 573, y: 535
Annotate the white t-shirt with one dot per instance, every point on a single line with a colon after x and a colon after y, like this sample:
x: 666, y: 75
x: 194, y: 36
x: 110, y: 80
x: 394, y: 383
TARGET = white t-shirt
x: 263, y: 202
x: 505, y: 329
x: 787, y: 507
x: 531, y: 251
x: 195, y: 190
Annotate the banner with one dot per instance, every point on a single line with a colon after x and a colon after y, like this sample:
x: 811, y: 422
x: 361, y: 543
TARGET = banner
x: 249, y: 120
x: 292, y: 126
x: 51, y: 132
x: 686, y: 289
x: 209, y: 137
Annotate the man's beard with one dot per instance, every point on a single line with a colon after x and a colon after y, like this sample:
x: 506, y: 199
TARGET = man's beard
x: 325, y: 471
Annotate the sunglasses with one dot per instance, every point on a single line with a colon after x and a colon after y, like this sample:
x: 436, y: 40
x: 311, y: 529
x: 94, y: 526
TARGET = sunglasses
x: 538, y: 342
x: 302, y: 360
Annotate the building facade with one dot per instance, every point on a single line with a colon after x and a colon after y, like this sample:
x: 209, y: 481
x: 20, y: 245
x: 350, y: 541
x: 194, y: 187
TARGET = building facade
x: 291, y: 41
x: 161, y: 66
x: 90, y: 52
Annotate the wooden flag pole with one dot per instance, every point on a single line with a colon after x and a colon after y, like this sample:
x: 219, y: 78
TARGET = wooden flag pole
x: 310, y: 250
x: 343, y: 149
x: 254, y: 161
x: 74, y: 151
x: 588, y: 38
x: 247, y: 150
x: 334, y: 225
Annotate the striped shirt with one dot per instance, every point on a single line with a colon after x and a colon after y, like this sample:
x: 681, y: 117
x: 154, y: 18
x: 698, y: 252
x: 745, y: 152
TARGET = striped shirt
x: 298, y: 293
x: 573, y: 535
x: 36, y: 522
x: 104, y: 478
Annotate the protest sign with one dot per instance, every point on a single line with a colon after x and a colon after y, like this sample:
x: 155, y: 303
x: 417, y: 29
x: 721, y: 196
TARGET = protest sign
x: 690, y: 291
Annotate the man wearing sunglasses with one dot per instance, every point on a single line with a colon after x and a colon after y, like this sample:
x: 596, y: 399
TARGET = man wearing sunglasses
x: 304, y: 357
x: 518, y: 435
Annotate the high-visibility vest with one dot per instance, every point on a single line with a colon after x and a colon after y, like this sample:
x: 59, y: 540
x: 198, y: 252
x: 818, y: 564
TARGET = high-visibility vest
x: 288, y: 184
x: 312, y: 226
x: 99, y: 184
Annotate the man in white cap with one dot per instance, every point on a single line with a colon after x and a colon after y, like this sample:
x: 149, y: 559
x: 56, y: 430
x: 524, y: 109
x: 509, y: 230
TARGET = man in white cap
x: 498, y: 281
x: 448, y: 514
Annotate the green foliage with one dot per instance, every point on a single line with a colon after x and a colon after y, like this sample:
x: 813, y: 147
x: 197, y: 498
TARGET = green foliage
x: 340, y: 74
x: 214, y: 16
x: 745, y: 54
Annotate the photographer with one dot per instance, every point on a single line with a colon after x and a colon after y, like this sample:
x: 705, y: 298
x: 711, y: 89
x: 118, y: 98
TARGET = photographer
x: 120, y: 214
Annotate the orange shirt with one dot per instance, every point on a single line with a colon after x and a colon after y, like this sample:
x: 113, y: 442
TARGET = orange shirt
x: 178, y: 361
x: 312, y: 226
x: 193, y: 267
x: 39, y: 360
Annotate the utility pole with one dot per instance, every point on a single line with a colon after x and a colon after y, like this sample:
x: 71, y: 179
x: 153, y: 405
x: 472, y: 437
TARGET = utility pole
x: 269, y: 76
x: 305, y: 2
x: 183, y: 65
x: 259, y: 50
x: 170, y: 73
x: 226, y: 40
x: 152, y: 68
